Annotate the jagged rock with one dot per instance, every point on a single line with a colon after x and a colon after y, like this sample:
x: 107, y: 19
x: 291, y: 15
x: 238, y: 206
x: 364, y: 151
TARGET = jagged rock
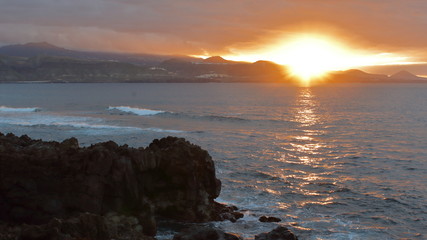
x: 126, y: 227
x: 40, y: 233
x: 269, y: 219
x: 180, y: 180
x: 279, y: 233
x: 224, y: 212
x: 171, y: 178
x: 148, y: 221
x: 85, y: 226
x: 204, y: 233
x: 8, y: 232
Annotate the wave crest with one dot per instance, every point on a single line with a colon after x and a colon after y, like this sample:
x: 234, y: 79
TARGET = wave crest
x: 70, y: 123
x: 21, y: 110
x: 135, y: 110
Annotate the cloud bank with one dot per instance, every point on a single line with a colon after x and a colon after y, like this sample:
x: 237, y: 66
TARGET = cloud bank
x: 213, y: 27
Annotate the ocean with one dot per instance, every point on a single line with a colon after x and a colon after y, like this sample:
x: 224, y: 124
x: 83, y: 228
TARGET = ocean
x: 341, y: 161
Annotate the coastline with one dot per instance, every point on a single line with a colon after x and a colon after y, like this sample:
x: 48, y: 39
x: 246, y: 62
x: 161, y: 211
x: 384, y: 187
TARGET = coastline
x: 105, y: 191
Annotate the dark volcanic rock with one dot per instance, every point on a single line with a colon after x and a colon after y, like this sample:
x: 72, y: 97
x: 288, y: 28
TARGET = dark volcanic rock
x: 180, y: 179
x: 204, y: 233
x: 171, y: 178
x: 279, y: 233
x: 223, y: 212
x: 85, y: 226
x: 269, y: 219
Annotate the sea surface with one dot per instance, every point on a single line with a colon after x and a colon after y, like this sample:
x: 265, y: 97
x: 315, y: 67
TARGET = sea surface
x: 342, y: 161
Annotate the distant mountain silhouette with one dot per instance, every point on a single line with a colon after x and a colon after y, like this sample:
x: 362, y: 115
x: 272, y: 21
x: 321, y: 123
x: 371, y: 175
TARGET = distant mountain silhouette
x: 34, y: 49
x: 43, y: 61
x: 404, y: 75
x: 216, y: 59
x: 218, y: 67
x: 40, y: 45
x: 66, y: 69
x: 355, y: 75
x: 42, y: 68
x: 356, y: 72
x: 47, y: 49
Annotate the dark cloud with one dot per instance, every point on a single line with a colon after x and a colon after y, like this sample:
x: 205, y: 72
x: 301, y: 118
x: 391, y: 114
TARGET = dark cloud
x: 195, y: 26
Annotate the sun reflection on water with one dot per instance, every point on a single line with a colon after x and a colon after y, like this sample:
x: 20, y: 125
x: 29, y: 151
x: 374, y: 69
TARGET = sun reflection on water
x: 306, y: 108
x: 304, y: 146
x: 306, y: 152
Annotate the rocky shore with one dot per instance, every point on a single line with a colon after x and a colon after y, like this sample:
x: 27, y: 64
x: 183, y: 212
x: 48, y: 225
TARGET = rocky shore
x: 52, y: 190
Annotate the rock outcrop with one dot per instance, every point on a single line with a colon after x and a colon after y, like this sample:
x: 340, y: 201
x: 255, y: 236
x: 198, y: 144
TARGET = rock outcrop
x: 279, y: 233
x: 171, y: 178
x: 269, y: 219
x: 205, y: 233
x: 85, y: 226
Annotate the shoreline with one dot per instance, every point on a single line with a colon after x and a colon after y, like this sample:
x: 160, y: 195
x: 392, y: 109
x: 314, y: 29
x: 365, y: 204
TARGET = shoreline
x: 53, y: 185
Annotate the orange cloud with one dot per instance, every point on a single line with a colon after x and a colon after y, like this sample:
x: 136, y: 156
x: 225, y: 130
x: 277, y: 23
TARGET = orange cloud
x: 216, y: 27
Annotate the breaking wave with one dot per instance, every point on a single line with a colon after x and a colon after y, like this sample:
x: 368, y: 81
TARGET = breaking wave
x: 75, y: 123
x: 20, y: 110
x: 135, y: 110
x: 162, y: 130
x: 150, y: 112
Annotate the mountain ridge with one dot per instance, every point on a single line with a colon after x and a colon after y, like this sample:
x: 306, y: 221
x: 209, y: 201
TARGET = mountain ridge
x: 42, y: 61
x: 403, y: 74
x: 33, y: 49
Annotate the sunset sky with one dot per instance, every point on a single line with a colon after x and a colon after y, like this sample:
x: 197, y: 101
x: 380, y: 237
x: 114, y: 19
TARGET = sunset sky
x: 238, y: 28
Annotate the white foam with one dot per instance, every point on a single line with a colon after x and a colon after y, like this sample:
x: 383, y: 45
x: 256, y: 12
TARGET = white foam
x: 94, y: 125
x: 49, y: 120
x: 97, y: 126
x: 162, y: 130
x: 136, y: 111
x: 21, y: 110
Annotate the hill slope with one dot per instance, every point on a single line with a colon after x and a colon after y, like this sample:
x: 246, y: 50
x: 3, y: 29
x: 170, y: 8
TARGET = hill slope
x: 47, y: 49
x: 404, y: 75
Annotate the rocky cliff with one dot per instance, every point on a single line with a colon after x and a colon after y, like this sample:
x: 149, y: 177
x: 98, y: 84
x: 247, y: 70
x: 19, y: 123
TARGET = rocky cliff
x: 171, y: 178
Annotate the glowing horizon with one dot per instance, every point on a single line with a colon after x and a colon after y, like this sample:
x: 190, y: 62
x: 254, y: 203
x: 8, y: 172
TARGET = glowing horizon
x: 311, y: 56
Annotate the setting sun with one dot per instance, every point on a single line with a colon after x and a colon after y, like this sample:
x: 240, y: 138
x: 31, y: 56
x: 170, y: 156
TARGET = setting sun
x: 309, y: 57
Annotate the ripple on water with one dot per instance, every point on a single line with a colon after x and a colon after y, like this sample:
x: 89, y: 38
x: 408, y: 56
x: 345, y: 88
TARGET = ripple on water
x: 335, y: 162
